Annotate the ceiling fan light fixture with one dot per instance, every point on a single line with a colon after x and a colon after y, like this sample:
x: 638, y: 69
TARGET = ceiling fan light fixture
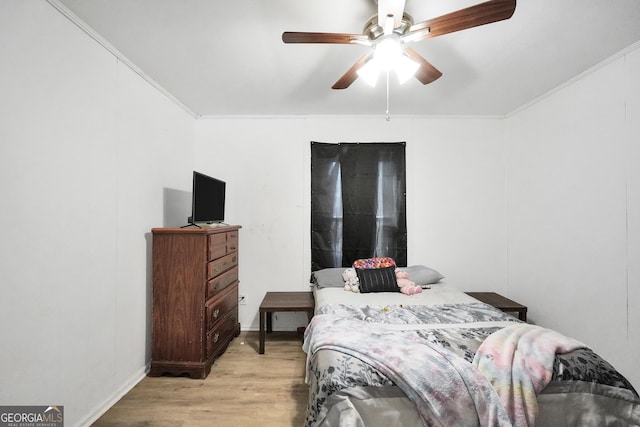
x: 369, y: 72
x: 406, y: 68
x: 388, y: 52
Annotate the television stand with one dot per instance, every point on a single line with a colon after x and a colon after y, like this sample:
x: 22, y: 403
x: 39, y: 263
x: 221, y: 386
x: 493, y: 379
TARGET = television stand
x: 206, y: 225
x: 195, y: 298
x: 191, y: 224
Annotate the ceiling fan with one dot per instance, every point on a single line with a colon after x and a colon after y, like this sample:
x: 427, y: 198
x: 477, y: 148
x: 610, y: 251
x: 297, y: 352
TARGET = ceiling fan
x: 391, y: 29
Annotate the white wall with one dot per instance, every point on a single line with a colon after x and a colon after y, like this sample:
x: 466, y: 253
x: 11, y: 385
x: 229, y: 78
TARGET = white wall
x: 86, y: 150
x: 456, y: 206
x: 573, y: 211
x: 455, y: 196
x: 632, y: 79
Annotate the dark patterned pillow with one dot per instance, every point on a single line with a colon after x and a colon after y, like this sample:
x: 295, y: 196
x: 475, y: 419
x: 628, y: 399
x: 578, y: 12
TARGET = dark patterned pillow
x: 377, y: 280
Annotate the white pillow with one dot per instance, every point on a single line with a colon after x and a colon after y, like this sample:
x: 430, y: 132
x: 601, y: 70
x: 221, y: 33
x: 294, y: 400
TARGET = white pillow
x: 422, y: 275
x: 328, y: 277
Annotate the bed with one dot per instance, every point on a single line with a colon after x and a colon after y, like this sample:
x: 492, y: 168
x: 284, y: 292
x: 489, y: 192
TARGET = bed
x: 443, y: 358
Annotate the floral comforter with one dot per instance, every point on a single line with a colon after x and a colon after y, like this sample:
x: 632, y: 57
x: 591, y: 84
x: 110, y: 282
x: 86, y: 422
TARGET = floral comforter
x: 428, y: 352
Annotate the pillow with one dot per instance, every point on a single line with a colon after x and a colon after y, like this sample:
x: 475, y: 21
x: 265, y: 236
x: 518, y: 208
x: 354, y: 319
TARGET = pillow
x: 422, y: 275
x: 377, y: 279
x: 379, y: 262
x: 328, y: 277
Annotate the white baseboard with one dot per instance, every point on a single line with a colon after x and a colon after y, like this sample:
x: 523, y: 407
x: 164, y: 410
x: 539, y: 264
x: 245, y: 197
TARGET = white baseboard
x: 117, y: 395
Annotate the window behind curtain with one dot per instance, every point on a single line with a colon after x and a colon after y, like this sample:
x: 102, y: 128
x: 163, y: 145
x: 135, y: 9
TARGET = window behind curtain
x: 358, y: 203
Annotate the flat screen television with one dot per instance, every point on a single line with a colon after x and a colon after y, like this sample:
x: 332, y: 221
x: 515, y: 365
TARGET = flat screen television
x: 207, y: 200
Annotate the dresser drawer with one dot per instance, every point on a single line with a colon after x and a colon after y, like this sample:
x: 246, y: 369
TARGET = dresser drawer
x: 220, y: 305
x: 218, y: 338
x: 232, y: 242
x: 217, y: 246
x: 217, y: 284
x: 220, y: 265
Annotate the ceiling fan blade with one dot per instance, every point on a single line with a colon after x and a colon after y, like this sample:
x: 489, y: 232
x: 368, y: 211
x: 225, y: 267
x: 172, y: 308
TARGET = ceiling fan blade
x: 338, y: 38
x: 351, y: 75
x: 474, y: 16
x: 427, y: 73
x: 390, y: 7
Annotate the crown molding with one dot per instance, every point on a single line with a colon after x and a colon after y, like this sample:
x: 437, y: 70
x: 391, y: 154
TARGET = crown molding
x: 64, y: 11
x: 616, y: 56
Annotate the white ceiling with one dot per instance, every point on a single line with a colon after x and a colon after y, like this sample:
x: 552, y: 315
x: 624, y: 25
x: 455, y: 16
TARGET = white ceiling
x: 227, y: 57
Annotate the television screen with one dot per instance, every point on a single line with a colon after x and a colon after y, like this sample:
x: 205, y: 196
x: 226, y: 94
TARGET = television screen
x: 207, y: 199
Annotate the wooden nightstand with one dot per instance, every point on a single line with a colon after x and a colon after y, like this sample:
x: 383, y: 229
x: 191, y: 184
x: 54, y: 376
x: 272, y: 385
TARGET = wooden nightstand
x: 283, y: 301
x: 503, y: 303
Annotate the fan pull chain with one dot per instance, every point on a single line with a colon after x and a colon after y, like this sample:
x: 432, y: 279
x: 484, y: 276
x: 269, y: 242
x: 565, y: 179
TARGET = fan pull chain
x: 387, y: 115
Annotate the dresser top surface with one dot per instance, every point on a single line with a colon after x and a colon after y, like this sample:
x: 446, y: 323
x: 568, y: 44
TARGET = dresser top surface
x: 196, y: 230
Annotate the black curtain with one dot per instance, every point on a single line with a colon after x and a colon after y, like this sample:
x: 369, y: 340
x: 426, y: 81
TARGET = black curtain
x: 358, y: 203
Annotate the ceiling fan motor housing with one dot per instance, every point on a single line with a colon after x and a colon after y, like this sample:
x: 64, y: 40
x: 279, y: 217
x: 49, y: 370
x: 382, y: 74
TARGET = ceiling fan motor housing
x: 374, y: 31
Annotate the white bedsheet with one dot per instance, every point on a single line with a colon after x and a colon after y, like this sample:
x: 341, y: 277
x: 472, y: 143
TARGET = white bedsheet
x: 438, y: 294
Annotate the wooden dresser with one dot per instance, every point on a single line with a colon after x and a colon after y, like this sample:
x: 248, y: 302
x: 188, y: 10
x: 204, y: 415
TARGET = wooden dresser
x: 195, y: 298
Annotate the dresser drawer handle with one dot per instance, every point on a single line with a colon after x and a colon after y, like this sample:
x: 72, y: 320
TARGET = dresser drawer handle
x: 215, y: 338
x: 216, y: 268
x: 216, y: 312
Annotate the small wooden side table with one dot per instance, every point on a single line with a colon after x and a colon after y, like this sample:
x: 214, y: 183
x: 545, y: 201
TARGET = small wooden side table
x: 283, y: 301
x: 500, y: 302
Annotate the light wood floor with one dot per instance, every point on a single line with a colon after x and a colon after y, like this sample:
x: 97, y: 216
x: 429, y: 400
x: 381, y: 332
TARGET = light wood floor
x: 244, y: 388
